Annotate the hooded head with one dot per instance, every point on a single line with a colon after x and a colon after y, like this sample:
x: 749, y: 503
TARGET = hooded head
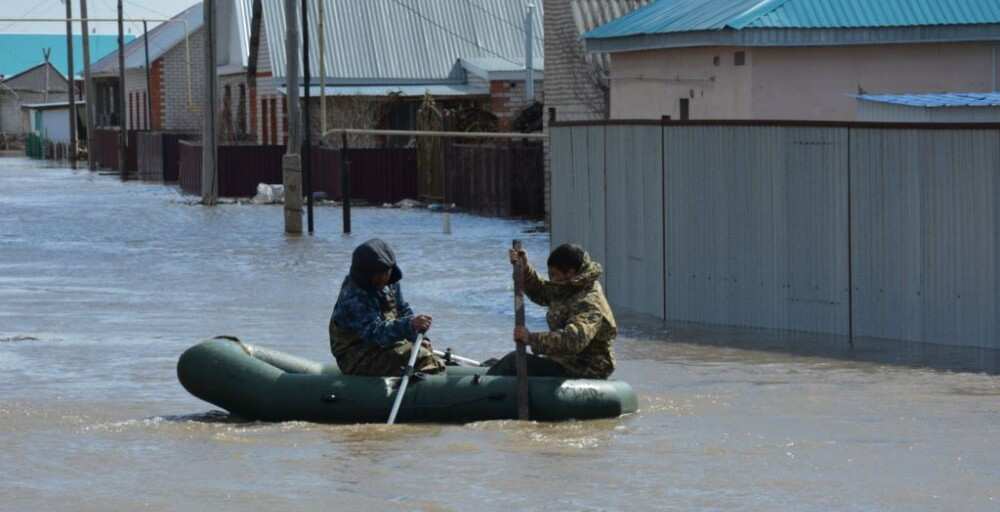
x: 370, y: 259
x: 575, y: 269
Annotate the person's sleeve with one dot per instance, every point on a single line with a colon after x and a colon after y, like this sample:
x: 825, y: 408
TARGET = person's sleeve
x: 535, y: 287
x: 362, y: 317
x: 580, y: 330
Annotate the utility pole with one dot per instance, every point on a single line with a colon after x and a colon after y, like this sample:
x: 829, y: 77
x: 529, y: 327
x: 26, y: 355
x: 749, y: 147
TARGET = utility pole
x: 529, y: 54
x: 322, y: 67
x: 292, y: 162
x: 209, y: 143
x: 307, y: 136
x: 120, y: 97
x: 72, y: 84
x: 46, y: 52
x: 88, y: 85
x: 149, y: 83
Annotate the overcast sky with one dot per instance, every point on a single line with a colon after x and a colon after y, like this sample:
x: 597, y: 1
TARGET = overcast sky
x: 95, y: 9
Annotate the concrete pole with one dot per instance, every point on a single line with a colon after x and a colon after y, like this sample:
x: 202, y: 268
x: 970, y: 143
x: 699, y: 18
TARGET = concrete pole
x: 322, y: 67
x: 120, y: 97
x: 88, y: 85
x: 529, y: 54
x: 72, y: 84
x: 307, y: 133
x: 209, y: 143
x: 292, y: 162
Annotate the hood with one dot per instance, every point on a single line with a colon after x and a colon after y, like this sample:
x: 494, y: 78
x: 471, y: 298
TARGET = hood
x: 370, y: 258
x: 589, y: 273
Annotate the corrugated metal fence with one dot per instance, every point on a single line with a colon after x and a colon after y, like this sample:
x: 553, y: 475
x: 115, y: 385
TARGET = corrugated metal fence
x: 883, y: 231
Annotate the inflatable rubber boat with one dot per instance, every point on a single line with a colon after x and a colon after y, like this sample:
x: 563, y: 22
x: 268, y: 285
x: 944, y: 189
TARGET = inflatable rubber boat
x: 260, y: 384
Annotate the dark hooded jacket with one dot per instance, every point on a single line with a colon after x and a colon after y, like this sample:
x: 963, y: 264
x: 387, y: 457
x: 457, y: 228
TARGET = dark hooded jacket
x: 365, y: 318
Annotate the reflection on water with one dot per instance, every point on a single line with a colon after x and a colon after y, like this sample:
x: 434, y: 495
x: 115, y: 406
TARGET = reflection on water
x: 103, y: 284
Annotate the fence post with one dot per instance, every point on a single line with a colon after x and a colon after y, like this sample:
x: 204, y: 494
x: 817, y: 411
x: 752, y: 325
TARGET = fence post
x: 345, y: 183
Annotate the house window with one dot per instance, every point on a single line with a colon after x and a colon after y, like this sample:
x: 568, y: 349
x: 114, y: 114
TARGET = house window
x: 685, y: 109
x: 715, y: 60
x: 265, y: 121
x: 241, y: 113
x: 740, y: 58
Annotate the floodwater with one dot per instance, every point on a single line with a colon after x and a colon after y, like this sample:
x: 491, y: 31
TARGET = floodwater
x: 103, y: 284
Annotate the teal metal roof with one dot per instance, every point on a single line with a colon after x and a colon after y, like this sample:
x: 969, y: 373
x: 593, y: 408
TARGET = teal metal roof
x: 678, y: 16
x: 19, y: 52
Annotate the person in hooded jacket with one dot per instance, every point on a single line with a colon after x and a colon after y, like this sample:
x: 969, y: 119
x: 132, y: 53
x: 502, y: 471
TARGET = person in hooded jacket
x: 582, y: 326
x: 372, y: 328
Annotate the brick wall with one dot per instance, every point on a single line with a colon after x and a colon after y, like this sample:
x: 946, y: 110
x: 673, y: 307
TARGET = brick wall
x: 507, y: 100
x: 177, y: 113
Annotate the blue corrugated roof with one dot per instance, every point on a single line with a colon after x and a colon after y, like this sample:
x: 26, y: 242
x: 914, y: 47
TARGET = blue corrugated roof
x: 19, y: 52
x: 673, y: 16
x: 935, y: 100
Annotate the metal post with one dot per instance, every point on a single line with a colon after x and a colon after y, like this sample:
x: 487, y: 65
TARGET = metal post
x: 209, y: 142
x: 149, y: 82
x: 72, y: 84
x: 529, y: 54
x: 120, y: 97
x: 88, y: 85
x: 292, y: 162
x: 345, y: 183
x: 307, y: 136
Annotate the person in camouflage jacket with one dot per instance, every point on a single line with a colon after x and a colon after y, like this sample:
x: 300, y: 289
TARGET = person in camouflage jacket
x: 372, y: 328
x: 582, y: 325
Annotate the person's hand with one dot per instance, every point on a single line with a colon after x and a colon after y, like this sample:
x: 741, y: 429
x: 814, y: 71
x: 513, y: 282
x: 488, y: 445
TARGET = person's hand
x: 517, y: 256
x: 421, y: 323
x: 522, y: 335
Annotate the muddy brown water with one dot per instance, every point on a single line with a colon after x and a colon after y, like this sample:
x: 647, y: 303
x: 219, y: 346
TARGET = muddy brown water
x: 103, y: 284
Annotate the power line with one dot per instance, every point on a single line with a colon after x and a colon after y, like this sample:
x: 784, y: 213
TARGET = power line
x: 520, y: 27
x: 154, y: 11
x: 26, y: 13
x: 453, y: 33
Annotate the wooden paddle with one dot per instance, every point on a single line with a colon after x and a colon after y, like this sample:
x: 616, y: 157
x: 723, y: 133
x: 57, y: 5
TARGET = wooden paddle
x: 521, y: 358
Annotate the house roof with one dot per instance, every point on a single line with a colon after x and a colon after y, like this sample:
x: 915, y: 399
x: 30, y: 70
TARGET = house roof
x: 394, y: 41
x: 408, y: 91
x: 162, y: 39
x: 937, y: 100
x: 680, y: 23
x: 32, y: 68
x: 492, y: 68
x: 19, y: 52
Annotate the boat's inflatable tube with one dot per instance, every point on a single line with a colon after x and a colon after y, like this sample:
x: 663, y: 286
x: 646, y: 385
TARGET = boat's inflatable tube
x: 260, y: 384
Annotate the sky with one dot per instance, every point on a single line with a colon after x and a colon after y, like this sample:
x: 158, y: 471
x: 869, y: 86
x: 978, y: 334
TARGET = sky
x: 95, y: 9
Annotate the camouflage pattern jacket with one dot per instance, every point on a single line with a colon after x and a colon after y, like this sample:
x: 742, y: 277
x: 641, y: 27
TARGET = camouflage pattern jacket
x: 582, y: 327
x: 366, y: 320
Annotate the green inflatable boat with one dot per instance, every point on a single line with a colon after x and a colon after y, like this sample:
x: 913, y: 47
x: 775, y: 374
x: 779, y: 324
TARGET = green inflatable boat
x: 260, y: 384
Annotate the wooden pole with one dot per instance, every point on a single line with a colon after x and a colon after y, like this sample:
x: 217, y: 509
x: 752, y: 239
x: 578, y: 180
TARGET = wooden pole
x: 521, y: 358
x: 209, y: 143
x: 88, y: 86
x: 291, y: 175
x: 307, y: 136
x: 120, y: 97
x: 72, y: 84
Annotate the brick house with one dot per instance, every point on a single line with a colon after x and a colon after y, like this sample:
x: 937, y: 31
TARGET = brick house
x: 170, y: 100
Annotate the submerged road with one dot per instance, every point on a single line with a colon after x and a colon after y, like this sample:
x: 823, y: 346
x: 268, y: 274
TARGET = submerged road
x: 103, y: 284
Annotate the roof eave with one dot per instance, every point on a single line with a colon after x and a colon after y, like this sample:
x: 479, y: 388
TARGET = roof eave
x: 785, y: 37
